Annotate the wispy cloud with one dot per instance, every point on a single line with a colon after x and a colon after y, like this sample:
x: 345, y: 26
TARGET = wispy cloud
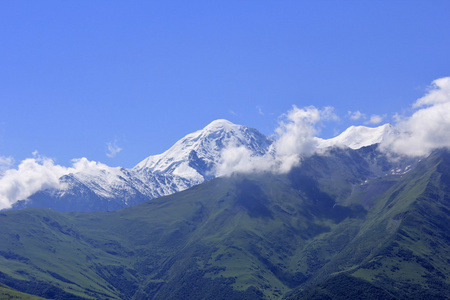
x: 359, y: 116
x: 113, y: 149
x: 375, y: 119
x: 356, y: 115
x: 260, y: 111
x: 6, y: 163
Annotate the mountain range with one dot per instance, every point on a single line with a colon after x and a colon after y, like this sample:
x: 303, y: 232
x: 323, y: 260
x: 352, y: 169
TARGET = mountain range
x: 348, y: 222
x: 334, y: 227
x: 190, y: 161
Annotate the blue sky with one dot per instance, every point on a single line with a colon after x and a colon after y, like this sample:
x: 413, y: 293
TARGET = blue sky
x: 79, y: 76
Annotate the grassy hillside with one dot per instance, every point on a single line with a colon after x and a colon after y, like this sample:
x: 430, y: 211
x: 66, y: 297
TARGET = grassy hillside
x: 402, y: 249
x: 8, y: 293
x: 247, y: 237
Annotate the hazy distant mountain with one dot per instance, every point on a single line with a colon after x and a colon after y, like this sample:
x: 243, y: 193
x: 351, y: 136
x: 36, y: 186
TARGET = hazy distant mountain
x: 190, y: 161
x: 346, y: 225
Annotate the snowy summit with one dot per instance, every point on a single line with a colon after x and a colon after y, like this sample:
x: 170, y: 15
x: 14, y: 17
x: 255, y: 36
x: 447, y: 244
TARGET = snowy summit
x: 356, y: 137
x: 194, y: 159
x: 195, y: 155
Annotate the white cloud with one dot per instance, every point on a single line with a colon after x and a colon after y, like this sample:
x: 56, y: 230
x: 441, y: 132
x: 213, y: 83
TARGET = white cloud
x: 397, y: 118
x: 356, y: 115
x: 240, y: 160
x: 438, y: 93
x: 38, y: 173
x: 375, y: 119
x: 260, y: 111
x: 113, y: 149
x: 417, y: 135
x: 294, y: 139
x: 32, y: 175
x: 296, y: 136
x: 88, y: 167
x: 428, y: 127
x: 5, y: 163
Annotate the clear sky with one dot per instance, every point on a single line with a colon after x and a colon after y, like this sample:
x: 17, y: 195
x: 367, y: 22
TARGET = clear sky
x: 79, y: 76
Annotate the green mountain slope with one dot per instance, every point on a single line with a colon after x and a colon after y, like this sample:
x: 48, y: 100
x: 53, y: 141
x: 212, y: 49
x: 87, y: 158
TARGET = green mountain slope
x: 327, y: 227
x: 402, y: 248
x: 8, y: 293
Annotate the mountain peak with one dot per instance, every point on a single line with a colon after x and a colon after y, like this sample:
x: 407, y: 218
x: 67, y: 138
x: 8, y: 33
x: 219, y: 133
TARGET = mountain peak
x: 356, y: 137
x: 220, y: 123
x: 194, y: 156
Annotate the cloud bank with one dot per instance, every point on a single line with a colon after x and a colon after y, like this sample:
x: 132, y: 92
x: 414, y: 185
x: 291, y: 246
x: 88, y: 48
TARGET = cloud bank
x: 428, y: 128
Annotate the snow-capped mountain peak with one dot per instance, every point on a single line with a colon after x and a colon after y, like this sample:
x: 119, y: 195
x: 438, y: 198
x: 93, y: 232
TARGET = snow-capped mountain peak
x: 356, y: 137
x: 220, y: 124
x: 195, y: 154
x: 190, y: 161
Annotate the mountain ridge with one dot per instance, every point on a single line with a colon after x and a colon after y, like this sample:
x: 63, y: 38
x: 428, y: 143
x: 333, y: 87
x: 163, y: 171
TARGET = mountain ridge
x: 255, y: 236
x: 356, y: 137
x: 190, y: 161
